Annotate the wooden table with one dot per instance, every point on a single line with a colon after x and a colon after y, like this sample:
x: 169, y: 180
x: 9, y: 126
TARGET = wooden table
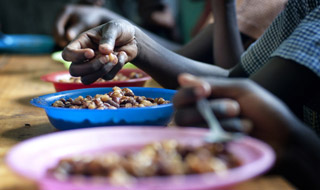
x: 19, y: 82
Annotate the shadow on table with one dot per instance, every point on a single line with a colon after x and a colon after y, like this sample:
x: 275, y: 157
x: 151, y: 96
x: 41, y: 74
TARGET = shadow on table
x: 26, y: 100
x: 28, y: 131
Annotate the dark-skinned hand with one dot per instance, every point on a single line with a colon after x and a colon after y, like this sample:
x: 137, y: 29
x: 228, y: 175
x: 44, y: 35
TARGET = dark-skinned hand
x: 89, y: 51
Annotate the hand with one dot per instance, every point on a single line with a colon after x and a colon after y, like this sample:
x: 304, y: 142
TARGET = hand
x: 89, y: 51
x: 75, y: 19
x: 271, y: 118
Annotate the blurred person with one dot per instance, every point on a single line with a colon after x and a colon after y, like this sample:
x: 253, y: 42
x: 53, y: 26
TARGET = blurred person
x: 159, y: 16
x: 234, y: 100
x: 76, y: 16
x: 284, y: 60
x: 155, y: 17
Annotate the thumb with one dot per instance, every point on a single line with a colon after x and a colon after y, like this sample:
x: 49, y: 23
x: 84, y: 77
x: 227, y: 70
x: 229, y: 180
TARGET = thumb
x: 201, y: 87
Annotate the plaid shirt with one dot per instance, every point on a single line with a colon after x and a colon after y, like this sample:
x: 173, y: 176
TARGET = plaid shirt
x: 294, y: 35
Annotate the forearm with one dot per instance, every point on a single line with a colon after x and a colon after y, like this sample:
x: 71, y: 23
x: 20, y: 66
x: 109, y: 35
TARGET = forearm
x: 162, y: 41
x: 164, y: 65
x: 301, y: 162
x: 200, y: 48
x: 227, y: 41
x: 292, y: 82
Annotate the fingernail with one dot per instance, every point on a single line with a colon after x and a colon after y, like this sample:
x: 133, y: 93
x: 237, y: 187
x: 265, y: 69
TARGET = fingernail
x: 88, y: 54
x: 188, y: 77
x: 104, y: 59
x: 233, y: 108
x: 200, y: 91
x: 105, y: 48
x: 201, y: 88
x: 225, y: 107
x: 71, y: 34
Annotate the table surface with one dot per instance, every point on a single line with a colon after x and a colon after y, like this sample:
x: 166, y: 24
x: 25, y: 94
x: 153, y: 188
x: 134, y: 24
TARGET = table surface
x: 19, y: 120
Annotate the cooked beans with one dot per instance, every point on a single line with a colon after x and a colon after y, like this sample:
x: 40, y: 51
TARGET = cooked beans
x: 118, y: 98
x: 157, y: 159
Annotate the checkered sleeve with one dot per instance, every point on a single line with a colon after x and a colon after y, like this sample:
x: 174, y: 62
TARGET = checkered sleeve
x: 303, y: 46
x: 302, y: 13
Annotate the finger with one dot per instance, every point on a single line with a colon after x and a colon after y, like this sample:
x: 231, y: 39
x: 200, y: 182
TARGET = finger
x: 90, y: 78
x: 110, y: 34
x: 225, y: 107
x: 222, y: 108
x: 237, y: 125
x: 230, y: 88
x: 75, y: 30
x: 130, y: 49
x: 116, y: 33
x: 188, y: 117
x: 122, y: 57
x: 75, y: 52
x: 86, y: 68
x: 184, y: 97
x: 201, y: 87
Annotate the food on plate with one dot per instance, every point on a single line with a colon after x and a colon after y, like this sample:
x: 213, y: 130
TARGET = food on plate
x: 118, y: 98
x: 165, y: 158
x: 118, y: 77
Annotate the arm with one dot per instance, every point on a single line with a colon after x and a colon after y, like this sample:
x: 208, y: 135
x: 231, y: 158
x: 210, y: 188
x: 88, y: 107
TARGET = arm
x: 296, y: 146
x: 227, y: 41
x: 219, y: 43
x: 120, y: 36
x: 288, y: 80
x: 200, y: 47
x: 164, y: 65
x: 75, y: 19
x: 300, y: 165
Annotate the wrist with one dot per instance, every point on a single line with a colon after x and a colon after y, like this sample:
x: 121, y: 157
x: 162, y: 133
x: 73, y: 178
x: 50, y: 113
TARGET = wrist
x: 141, y: 43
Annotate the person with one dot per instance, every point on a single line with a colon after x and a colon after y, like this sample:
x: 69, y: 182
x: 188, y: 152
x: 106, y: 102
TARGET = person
x: 164, y: 18
x: 295, y: 144
x: 285, y: 60
x: 157, y: 20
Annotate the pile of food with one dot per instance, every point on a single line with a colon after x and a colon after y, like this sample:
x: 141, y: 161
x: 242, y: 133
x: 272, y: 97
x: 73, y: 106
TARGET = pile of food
x: 164, y: 158
x: 118, y: 98
x: 118, y: 77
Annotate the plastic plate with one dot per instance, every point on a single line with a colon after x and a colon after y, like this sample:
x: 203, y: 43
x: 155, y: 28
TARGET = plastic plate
x: 32, y: 158
x: 62, y: 86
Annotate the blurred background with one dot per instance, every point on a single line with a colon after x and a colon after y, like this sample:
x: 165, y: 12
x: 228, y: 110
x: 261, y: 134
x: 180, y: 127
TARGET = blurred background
x: 32, y: 26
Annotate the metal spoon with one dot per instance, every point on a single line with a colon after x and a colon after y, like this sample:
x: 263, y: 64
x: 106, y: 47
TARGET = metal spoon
x: 216, y: 133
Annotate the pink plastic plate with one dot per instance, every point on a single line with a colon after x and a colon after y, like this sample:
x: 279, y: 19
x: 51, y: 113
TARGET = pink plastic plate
x: 62, y: 86
x: 33, y: 157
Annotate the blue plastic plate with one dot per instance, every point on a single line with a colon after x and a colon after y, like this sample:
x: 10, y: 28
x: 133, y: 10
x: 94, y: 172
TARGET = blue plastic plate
x: 65, y: 118
x: 26, y: 43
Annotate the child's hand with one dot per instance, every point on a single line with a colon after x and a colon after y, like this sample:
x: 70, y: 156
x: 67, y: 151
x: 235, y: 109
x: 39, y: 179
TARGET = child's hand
x: 271, y: 118
x: 90, y: 50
